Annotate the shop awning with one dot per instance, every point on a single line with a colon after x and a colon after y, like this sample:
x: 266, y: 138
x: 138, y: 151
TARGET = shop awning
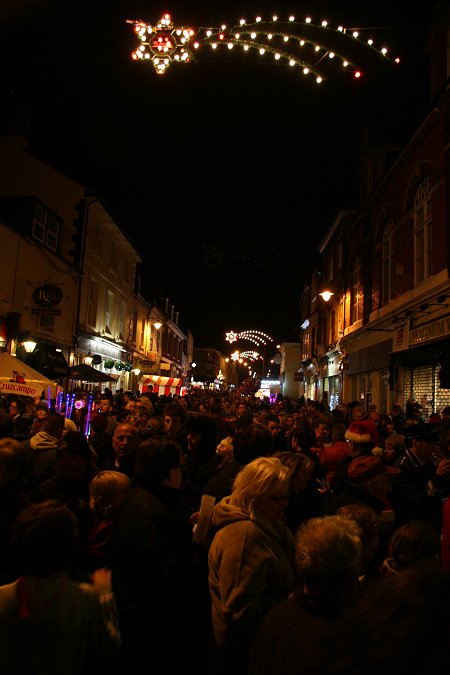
x: 46, y: 360
x: 17, y: 377
x: 85, y: 373
x: 162, y: 385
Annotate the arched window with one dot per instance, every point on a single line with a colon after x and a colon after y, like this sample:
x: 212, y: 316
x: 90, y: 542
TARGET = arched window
x: 357, y: 292
x: 388, y: 262
x: 422, y: 232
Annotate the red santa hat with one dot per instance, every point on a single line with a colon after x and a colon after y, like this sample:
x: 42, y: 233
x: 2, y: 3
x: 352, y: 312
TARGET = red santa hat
x: 363, y: 431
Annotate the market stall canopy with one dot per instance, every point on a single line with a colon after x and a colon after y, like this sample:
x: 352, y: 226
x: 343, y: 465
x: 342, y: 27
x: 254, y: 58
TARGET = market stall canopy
x: 17, y: 377
x: 162, y: 385
x: 86, y: 373
x: 48, y: 361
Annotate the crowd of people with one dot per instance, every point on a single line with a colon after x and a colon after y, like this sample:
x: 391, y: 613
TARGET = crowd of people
x: 218, y: 532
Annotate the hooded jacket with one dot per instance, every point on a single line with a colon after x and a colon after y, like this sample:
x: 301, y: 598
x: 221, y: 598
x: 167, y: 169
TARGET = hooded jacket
x: 251, y: 564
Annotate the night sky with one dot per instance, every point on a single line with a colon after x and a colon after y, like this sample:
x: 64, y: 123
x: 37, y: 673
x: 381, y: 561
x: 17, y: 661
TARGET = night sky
x: 226, y: 172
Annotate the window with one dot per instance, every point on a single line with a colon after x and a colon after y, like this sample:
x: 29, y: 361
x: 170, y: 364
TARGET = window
x: 357, y: 292
x: 122, y: 315
x: 422, y: 232
x: 388, y: 263
x: 108, y: 311
x: 92, y: 303
x: 46, y: 226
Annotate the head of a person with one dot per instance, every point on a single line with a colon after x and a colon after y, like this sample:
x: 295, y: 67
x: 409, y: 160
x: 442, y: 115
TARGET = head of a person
x: 74, y: 456
x: 158, y: 462
x: 241, y: 408
x: 14, y: 407
x: 13, y: 463
x: 422, y: 439
x: 154, y: 426
x: 44, y: 539
x: 273, y: 423
x: 141, y: 413
x: 413, y: 545
x: 174, y: 418
x: 356, y: 412
x: 300, y: 469
x: 367, y: 520
x: 54, y: 425
x: 107, y: 492
x: 6, y: 425
x: 106, y: 405
x: 262, y: 486
x: 41, y: 411
x: 394, y: 447
x: 338, y: 430
x: 125, y: 440
x: 320, y: 426
x: 201, y: 434
x: 302, y: 438
x: 251, y: 441
x: 363, y: 437
x: 328, y: 556
x: 369, y: 473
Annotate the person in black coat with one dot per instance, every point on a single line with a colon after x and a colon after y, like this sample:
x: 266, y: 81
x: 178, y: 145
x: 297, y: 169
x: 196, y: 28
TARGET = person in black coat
x: 153, y: 565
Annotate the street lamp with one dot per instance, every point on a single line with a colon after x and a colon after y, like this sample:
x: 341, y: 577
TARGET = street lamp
x: 88, y: 358
x: 157, y: 325
x: 326, y: 295
x: 29, y: 344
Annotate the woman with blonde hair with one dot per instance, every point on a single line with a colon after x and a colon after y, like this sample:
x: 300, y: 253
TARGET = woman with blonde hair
x: 251, y: 560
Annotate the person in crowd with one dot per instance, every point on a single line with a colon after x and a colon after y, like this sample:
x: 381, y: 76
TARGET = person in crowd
x: 100, y: 440
x: 279, y: 442
x: 249, y: 442
x: 241, y: 407
x: 355, y: 412
x: 291, y: 635
x: 445, y: 535
x: 414, y: 544
x: 41, y: 411
x: 13, y: 497
x: 125, y: 442
x: 6, y: 425
x: 362, y: 438
x: 143, y: 411
x: 418, y: 492
x: 302, y: 439
x: 22, y: 412
x: 305, y: 499
x: 368, y: 482
x: 393, y: 449
x: 70, y: 484
x: 175, y: 417
x: 372, y: 553
x: 338, y: 450
x: 201, y: 460
x: 106, y: 408
x: 251, y: 558
x: 49, y: 623
x: 42, y: 450
x: 152, y: 564
x: 154, y: 427
x: 107, y: 492
x: 399, y: 626
x: 322, y: 432
x: 385, y: 429
x: 398, y: 418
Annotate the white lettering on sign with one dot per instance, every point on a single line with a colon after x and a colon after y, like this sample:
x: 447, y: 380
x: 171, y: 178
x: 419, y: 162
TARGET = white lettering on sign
x: 430, y: 332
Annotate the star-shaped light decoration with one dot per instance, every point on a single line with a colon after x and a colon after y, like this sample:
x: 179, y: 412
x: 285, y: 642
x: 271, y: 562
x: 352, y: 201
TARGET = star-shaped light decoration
x: 308, y: 45
x: 231, y: 336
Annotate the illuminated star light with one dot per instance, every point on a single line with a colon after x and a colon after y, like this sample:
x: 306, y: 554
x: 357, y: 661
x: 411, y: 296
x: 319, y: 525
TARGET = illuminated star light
x: 307, y: 45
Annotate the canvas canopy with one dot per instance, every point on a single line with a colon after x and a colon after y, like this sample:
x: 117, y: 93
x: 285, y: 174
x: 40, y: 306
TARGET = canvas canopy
x: 16, y: 377
x: 162, y: 385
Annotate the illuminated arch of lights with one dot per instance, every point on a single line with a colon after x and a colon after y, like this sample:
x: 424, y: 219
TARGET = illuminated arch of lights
x: 305, y: 45
x: 256, y: 336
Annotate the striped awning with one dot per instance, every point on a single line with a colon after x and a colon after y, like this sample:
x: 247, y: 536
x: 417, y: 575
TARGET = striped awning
x: 163, y: 385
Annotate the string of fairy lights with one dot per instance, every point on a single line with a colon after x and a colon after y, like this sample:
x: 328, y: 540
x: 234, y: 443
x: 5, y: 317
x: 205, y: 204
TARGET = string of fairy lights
x: 243, y: 357
x: 306, y: 44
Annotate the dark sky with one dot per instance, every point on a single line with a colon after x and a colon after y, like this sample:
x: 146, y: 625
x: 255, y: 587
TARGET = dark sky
x: 226, y: 172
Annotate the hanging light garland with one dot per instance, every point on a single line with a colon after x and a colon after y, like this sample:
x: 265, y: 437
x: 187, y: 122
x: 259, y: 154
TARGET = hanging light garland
x: 256, y: 336
x: 305, y: 45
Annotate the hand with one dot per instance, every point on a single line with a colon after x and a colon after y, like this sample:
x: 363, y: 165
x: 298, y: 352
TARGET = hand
x: 101, y: 581
x: 443, y: 467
